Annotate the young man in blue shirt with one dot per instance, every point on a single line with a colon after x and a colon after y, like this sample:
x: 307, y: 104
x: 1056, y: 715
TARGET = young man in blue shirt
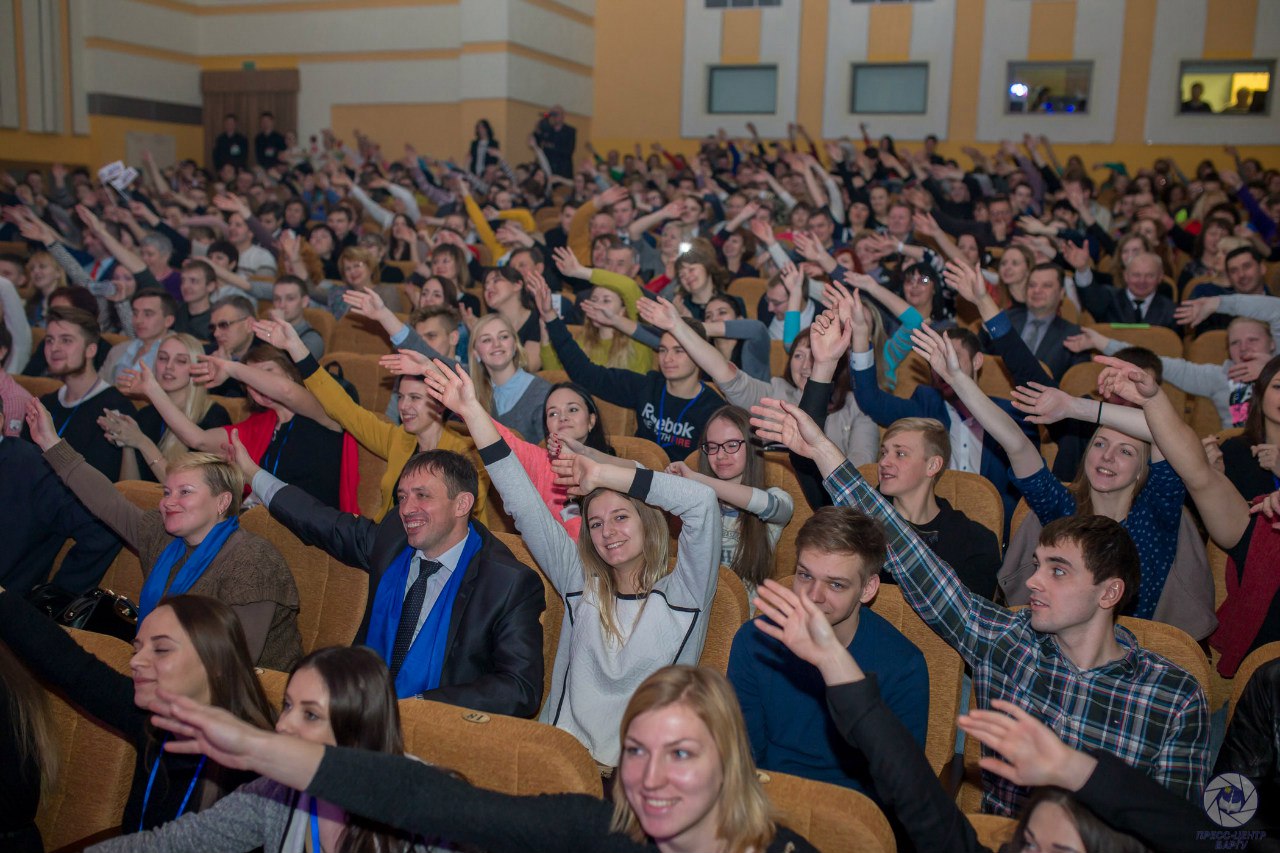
x: 839, y: 553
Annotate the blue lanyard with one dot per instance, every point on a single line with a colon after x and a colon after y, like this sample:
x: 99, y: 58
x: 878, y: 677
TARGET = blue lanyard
x: 315, y: 828
x: 67, y: 422
x: 283, y: 441
x: 146, y: 797
x: 662, y: 411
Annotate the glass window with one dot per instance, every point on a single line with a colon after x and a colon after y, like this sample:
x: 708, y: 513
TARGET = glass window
x: 1049, y: 87
x: 1226, y: 88
x: 890, y: 88
x: 742, y: 89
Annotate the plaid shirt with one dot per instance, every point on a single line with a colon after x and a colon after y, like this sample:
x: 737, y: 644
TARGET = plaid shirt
x: 1141, y: 708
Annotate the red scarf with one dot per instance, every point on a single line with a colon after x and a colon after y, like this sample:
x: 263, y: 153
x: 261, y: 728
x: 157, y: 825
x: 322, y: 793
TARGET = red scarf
x: 1242, y: 613
x: 256, y: 432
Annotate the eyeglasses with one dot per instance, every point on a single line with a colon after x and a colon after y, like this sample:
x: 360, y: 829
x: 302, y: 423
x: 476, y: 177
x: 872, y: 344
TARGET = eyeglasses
x: 223, y: 325
x: 711, y: 448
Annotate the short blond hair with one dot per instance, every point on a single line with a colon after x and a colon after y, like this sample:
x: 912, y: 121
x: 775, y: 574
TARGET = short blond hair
x: 936, y: 439
x: 220, y: 476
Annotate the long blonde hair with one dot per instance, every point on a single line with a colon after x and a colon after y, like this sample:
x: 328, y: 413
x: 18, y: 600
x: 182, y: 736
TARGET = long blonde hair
x: 198, y: 402
x: 745, y: 819
x: 600, y: 575
x: 480, y: 373
x: 32, y: 717
x: 1080, y: 487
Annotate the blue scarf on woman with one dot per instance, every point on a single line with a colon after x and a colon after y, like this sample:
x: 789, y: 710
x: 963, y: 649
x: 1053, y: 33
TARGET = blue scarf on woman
x: 421, y: 669
x: 154, y: 587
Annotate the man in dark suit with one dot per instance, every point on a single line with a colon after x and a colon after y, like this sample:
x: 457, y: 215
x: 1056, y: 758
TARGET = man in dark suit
x: 453, y: 613
x: 40, y: 514
x: 1138, y: 302
x: 1039, y: 325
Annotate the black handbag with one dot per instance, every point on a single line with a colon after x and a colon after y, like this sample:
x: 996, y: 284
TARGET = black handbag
x: 100, y: 610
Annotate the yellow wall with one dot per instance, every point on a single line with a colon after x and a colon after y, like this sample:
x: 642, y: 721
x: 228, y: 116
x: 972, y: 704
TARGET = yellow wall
x: 105, y: 142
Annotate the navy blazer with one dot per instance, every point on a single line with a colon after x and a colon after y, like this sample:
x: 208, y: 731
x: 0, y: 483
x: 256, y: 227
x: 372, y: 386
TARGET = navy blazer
x: 41, y: 513
x: 493, y: 662
x: 927, y: 402
x: 1050, y: 351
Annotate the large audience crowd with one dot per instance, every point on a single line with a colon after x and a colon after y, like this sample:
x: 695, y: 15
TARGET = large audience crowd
x: 813, y: 337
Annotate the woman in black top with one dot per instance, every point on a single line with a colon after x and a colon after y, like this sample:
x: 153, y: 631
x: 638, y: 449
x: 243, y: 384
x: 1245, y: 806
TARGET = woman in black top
x: 190, y: 645
x: 1252, y: 460
x: 686, y: 781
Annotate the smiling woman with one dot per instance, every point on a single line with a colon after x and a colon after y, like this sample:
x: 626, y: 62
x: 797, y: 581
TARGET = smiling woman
x: 189, y: 645
x: 192, y: 542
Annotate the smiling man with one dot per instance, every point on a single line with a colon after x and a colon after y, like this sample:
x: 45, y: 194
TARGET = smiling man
x: 154, y: 312
x: 450, y: 610
x: 839, y: 554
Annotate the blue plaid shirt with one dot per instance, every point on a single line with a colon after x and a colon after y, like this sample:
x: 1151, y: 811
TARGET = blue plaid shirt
x: 1141, y: 708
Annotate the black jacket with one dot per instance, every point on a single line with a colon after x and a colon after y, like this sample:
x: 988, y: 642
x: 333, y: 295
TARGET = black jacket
x: 1252, y: 745
x: 40, y: 513
x: 1051, y: 351
x: 493, y: 661
x: 1113, y: 305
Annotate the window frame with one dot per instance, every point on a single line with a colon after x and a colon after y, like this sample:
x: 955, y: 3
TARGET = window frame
x: 1008, y: 81
x: 1225, y: 63
x: 732, y: 66
x: 854, y: 67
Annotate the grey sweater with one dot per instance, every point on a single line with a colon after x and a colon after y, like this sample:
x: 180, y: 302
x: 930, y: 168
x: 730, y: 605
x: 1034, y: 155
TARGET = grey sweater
x: 262, y: 814
x: 595, y: 674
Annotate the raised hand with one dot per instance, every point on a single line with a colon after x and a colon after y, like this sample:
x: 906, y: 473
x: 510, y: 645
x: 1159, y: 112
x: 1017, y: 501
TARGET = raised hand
x: 925, y: 225
x: 1077, y: 255
x: 541, y: 293
x: 792, y: 278
x: 1042, y: 404
x: 808, y: 245
x: 235, y: 454
x: 1126, y: 381
x: 659, y: 312
x: 1268, y: 506
x: 40, y: 424
x: 569, y: 265
x: 210, y: 370
x: 578, y: 474
x: 120, y: 429
x: 965, y: 281
x: 451, y: 385
x: 1268, y: 456
x: 88, y: 217
x: 938, y: 351
x: 1030, y: 754
x: 797, y: 623
x: 1193, y: 312
x: 599, y: 314
x: 781, y: 422
x: 763, y: 231
x: 679, y: 469
x: 204, y: 730
x: 1213, y: 452
x: 364, y: 302
x: 1249, y: 370
x: 139, y: 382
x: 406, y: 362
x: 1087, y: 339
x: 830, y: 337
x: 290, y: 244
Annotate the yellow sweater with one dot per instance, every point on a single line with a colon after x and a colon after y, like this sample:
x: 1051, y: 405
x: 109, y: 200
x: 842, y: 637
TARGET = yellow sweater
x: 639, y: 356
x: 390, y: 441
x: 485, y: 233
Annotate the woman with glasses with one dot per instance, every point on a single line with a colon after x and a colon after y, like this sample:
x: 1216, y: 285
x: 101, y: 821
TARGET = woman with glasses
x: 751, y: 515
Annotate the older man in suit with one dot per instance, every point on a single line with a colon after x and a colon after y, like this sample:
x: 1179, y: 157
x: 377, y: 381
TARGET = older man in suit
x: 1039, y: 325
x: 452, y: 612
x: 1138, y: 302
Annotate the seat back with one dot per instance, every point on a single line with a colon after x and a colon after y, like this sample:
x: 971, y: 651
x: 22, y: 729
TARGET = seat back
x: 729, y: 609
x: 237, y: 407
x: 1176, y: 646
x: 1218, y: 568
x: 125, y: 574
x: 38, y: 386
x: 972, y: 494
x: 323, y: 322
x: 829, y: 816
x: 1158, y: 339
x: 507, y: 754
x: 994, y: 831
x: 353, y: 333
x: 1208, y: 347
x: 1255, y: 659
x: 642, y: 450
x: 778, y: 358
x: 362, y: 370
x: 369, y: 491
x: 96, y: 767
x: 552, y: 618
x: 273, y: 683
x: 1081, y: 380
x: 331, y: 595
x: 751, y: 290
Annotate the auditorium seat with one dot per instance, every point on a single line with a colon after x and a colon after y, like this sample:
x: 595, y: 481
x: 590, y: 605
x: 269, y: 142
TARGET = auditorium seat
x: 273, y: 684
x: 642, y: 450
x: 993, y: 831
x: 751, y: 290
x: 1158, y: 339
x: 1218, y: 567
x: 1081, y: 380
x: 1255, y: 659
x: 1207, y: 347
x: 552, y: 617
x: 372, y: 469
x: 507, y: 754
x: 362, y: 370
x: 96, y: 765
x: 832, y: 818
x: 729, y: 609
x: 323, y: 322
x: 38, y: 386
x: 778, y: 358
x: 237, y: 407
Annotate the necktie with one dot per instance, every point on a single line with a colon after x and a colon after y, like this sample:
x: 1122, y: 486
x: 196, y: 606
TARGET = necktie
x: 1032, y: 332
x: 1137, y: 310
x: 410, y: 612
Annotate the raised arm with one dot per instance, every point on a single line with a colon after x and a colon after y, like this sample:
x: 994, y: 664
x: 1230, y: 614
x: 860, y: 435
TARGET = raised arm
x: 661, y: 314
x: 940, y: 353
x: 213, y: 371
x: 1224, y: 511
x: 118, y: 250
x: 143, y: 382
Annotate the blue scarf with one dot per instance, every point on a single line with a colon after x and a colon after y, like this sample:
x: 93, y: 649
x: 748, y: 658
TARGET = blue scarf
x: 421, y: 669
x: 153, y: 589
